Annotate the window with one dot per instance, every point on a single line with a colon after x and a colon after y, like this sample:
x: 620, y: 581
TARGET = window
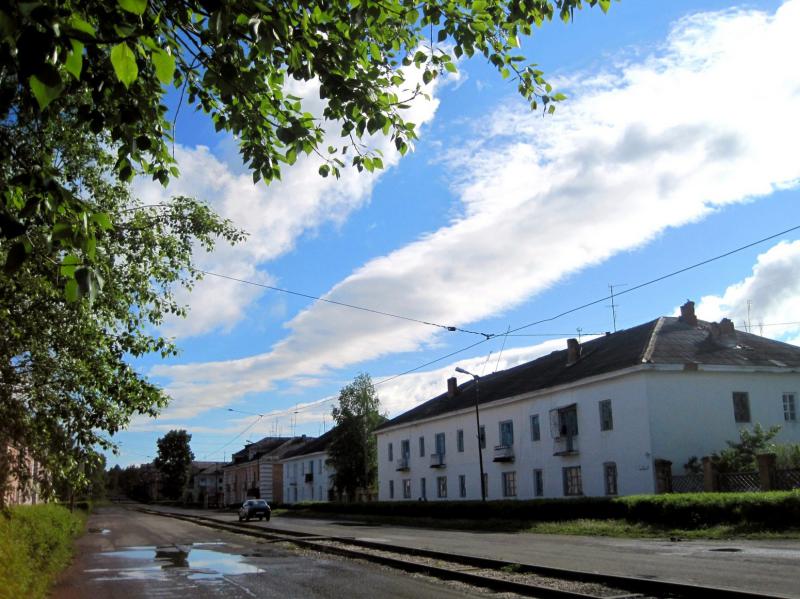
x: 741, y: 406
x: 486, y: 484
x: 564, y: 422
x: 610, y: 477
x: 422, y: 493
x: 606, y: 418
x: 441, y: 487
x: 405, y: 449
x: 319, y: 466
x: 572, y: 481
x: 536, y: 433
x: 391, y: 489
x: 439, y: 443
x: 406, y: 488
x: 789, y: 407
x: 462, y: 485
x: 509, y: 484
x: 391, y: 452
x: 460, y: 440
x: 422, y: 447
x: 482, y: 436
x: 538, y: 483
x: 507, y: 433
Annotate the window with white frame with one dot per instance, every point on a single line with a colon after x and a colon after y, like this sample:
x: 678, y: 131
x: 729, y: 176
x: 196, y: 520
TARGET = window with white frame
x: 440, y: 444
x: 741, y: 406
x: 536, y: 432
x: 462, y: 485
x: 406, y: 488
x: 507, y: 433
x: 405, y: 449
x: 790, y: 407
x: 391, y: 489
x: 460, y: 440
x: 606, y: 417
x: 573, y: 485
x: 509, y: 484
x: 391, y: 452
x: 538, y: 483
x: 610, y: 477
x: 441, y: 487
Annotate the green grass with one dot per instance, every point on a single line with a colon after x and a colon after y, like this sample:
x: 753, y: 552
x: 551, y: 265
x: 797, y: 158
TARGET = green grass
x: 35, y: 545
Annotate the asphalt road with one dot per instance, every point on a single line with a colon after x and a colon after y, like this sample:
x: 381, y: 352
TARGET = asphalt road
x: 771, y: 567
x: 128, y: 554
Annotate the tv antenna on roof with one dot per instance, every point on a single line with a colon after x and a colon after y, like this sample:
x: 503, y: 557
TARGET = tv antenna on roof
x: 614, y: 305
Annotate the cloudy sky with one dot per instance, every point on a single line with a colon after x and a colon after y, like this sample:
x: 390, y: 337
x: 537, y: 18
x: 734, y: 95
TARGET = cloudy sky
x: 678, y: 143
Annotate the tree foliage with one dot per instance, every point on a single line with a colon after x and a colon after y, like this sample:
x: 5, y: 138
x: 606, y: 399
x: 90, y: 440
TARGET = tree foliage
x: 353, y: 447
x: 107, y: 65
x: 66, y: 384
x: 741, y: 455
x: 173, y: 461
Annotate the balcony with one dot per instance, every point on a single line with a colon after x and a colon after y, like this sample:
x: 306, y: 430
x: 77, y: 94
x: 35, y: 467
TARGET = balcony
x: 403, y: 464
x: 309, y: 477
x: 503, y: 453
x: 565, y: 446
x: 437, y: 460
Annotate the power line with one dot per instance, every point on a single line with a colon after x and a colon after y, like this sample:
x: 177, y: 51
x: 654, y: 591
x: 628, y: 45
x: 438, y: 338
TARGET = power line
x: 344, y: 304
x: 656, y: 280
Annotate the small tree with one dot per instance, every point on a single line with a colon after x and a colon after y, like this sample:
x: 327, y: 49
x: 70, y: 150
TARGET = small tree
x: 741, y: 456
x: 353, y: 449
x: 173, y: 461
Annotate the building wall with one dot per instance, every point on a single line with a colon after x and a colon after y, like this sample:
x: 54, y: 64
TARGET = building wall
x: 295, y: 486
x: 627, y: 445
x: 692, y: 412
x: 239, y: 479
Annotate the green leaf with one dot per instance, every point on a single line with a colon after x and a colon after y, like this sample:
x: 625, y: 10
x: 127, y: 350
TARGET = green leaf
x: 74, y: 62
x: 605, y: 5
x: 16, y: 256
x: 80, y: 25
x: 68, y: 265
x: 124, y: 63
x: 164, y: 64
x: 450, y: 67
x: 71, y: 291
x: 137, y: 7
x: 103, y: 220
x: 324, y: 170
x: 43, y: 93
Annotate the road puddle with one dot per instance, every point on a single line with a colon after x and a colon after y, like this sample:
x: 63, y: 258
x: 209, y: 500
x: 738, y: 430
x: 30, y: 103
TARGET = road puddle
x: 199, y: 561
x: 100, y: 531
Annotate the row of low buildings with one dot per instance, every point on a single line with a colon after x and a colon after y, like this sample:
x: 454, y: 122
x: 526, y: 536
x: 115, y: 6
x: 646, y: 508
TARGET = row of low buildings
x: 618, y: 415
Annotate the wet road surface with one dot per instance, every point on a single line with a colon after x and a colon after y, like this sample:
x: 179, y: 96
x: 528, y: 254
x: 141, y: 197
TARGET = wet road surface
x: 127, y: 554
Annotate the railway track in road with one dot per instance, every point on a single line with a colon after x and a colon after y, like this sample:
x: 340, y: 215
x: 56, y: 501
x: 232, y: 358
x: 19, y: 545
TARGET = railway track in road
x: 498, y: 575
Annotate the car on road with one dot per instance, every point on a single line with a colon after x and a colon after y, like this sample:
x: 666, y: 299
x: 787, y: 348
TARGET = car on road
x: 254, y: 508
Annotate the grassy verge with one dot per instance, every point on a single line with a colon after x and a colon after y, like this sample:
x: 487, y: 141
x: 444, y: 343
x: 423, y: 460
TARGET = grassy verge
x: 35, y: 545
x: 637, y: 530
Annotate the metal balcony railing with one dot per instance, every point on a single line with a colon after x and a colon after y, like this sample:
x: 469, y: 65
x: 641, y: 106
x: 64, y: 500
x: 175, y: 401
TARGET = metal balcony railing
x: 403, y: 464
x: 565, y: 445
x: 503, y: 453
x: 437, y: 460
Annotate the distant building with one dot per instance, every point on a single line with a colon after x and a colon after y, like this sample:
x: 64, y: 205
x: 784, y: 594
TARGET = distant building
x: 306, y: 474
x: 23, y: 482
x: 206, y: 484
x: 616, y: 415
x: 255, y: 472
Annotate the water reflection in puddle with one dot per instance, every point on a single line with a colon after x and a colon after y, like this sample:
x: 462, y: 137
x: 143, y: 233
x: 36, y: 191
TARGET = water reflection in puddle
x: 194, y: 561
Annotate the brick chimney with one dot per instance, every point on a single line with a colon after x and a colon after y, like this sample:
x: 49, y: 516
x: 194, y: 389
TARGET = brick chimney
x: 687, y: 314
x: 573, y: 351
x: 723, y: 333
x: 452, y: 387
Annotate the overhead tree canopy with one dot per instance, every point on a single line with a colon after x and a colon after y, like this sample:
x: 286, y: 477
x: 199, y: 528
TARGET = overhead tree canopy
x: 353, y: 449
x: 107, y: 66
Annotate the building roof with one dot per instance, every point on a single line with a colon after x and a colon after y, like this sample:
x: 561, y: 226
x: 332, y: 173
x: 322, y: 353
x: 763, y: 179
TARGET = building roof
x: 666, y: 340
x: 311, y: 446
x: 273, y: 447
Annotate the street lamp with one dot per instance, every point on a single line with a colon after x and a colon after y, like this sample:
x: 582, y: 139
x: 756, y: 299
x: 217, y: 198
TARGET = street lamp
x: 478, y: 422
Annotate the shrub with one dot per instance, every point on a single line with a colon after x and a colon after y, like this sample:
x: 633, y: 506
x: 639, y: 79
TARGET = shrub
x: 35, y: 545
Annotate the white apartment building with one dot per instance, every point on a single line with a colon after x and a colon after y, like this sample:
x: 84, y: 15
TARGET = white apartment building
x: 306, y: 474
x: 617, y: 415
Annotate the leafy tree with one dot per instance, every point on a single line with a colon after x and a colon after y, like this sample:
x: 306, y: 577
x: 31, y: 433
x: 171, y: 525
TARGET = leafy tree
x: 173, y: 461
x: 353, y: 449
x: 66, y: 386
x: 741, y: 456
x: 107, y: 66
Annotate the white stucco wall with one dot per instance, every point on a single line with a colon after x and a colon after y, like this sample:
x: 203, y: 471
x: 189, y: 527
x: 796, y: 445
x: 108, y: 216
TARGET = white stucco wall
x: 692, y: 412
x: 627, y: 445
x: 296, y: 489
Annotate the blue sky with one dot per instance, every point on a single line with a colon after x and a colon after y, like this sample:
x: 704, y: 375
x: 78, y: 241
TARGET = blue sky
x: 678, y: 143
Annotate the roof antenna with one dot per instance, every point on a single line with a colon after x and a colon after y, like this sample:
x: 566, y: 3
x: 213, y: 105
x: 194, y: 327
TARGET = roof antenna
x: 505, y: 337
x: 579, y: 329
x: 614, y: 305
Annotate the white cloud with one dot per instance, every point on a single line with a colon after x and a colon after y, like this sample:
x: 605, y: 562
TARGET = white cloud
x: 773, y: 291
x: 708, y: 121
x: 274, y: 215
